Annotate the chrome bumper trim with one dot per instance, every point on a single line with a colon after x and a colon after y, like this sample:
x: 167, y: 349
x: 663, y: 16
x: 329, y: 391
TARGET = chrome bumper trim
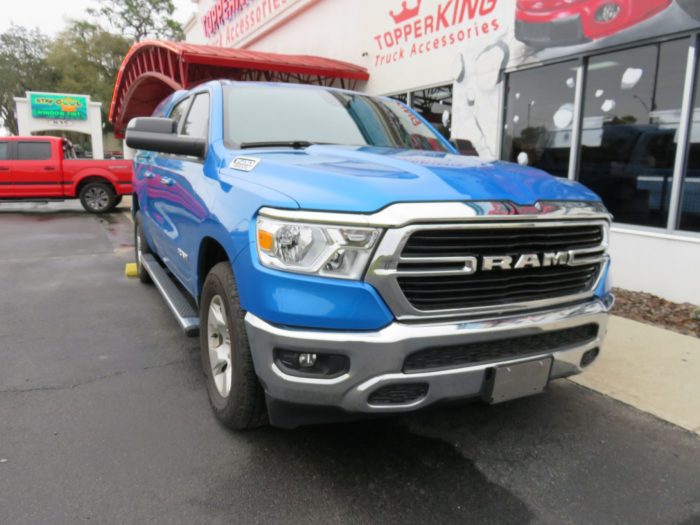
x: 377, y: 357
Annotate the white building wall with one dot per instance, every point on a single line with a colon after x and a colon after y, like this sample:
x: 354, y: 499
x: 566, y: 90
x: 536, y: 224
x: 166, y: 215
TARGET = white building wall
x: 665, y: 265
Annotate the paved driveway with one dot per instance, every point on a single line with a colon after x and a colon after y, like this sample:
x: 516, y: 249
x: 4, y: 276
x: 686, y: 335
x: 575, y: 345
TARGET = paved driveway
x: 104, y: 418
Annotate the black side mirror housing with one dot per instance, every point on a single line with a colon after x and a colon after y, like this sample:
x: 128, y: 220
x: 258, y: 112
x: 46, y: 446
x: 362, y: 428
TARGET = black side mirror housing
x: 160, y: 135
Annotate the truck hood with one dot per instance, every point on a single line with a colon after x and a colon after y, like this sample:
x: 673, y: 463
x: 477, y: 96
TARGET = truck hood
x: 367, y: 179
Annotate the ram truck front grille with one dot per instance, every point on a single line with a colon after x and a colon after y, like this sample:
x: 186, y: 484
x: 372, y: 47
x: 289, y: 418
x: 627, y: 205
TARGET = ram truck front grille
x: 488, y: 267
x: 497, y: 241
x: 498, y: 287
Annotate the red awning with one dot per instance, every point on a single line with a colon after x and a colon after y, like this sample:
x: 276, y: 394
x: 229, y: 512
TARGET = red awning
x: 152, y: 70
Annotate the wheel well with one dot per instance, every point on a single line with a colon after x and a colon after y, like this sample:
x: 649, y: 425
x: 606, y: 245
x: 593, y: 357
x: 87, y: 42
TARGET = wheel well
x: 210, y: 254
x: 92, y: 178
x: 134, y: 203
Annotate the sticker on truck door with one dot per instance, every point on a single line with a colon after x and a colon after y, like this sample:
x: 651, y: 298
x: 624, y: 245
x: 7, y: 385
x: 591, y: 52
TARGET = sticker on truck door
x: 244, y: 163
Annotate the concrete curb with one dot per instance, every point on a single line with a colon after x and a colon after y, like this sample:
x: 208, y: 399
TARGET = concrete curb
x: 652, y: 369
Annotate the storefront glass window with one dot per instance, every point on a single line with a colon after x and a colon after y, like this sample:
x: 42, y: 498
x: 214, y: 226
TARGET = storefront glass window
x: 539, y: 115
x: 628, y: 142
x: 403, y: 97
x: 690, y: 209
x: 435, y: 105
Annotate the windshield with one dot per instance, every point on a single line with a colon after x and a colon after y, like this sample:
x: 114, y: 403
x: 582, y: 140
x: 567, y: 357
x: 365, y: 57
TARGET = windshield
x: 297, y: 116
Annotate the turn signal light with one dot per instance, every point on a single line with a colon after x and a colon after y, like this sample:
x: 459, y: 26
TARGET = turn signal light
x: 265, y: 240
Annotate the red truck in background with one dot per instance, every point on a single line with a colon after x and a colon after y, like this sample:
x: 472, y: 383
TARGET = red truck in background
x: 552, y: 23
x: 45, y: 168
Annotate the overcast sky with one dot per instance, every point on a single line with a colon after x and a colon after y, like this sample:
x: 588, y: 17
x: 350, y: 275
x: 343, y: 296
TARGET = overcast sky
x: 51, y: 15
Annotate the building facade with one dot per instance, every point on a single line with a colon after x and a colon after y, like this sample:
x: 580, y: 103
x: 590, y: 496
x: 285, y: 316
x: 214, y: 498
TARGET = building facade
x: 599, y: 91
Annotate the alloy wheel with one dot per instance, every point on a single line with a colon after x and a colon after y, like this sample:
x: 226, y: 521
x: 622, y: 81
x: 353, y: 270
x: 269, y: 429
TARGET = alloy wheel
x: 97, y: 198
x: 219, y: 346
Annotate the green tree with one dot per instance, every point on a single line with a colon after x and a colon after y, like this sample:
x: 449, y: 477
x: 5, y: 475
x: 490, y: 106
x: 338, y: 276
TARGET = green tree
x: 86, y: 59
x: 23, y: 67
x: 139, y: 19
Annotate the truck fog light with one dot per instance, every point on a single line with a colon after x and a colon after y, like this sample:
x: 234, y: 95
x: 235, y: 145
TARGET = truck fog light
x: 307, y: 360
x: 308, y: 364
x: 607, y: 12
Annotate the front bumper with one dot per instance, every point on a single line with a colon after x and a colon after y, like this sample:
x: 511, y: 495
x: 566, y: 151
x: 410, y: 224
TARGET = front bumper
x: 377, y: 357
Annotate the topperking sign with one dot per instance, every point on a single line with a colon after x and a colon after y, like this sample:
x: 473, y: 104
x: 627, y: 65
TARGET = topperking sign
x: 58, y: 106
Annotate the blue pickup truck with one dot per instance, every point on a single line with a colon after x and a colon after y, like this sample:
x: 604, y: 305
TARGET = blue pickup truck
x: 339, y: 259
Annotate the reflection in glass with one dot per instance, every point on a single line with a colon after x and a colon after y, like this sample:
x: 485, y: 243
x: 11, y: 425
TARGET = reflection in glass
x: 539, y: 115
x: 431, y: 104
x: 628, y: 143
x: 257, y: 115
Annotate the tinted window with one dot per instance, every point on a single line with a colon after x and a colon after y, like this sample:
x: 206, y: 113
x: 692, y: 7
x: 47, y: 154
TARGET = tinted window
x: 179, y: 110
x: 261, y: 114
x: 33, y: 150
x: 539, y: 115
x: 197, y: 122
x: 4, y: 151
x: 630, y: 123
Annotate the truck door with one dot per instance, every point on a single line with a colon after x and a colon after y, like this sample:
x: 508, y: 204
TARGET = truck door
x: 157, y: 176
x: 5, y: 169
x: 36, y: 171
x: 183, y: 178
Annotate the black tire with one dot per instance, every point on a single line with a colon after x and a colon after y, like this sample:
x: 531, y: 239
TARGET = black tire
x: 118, y: 200
x: 98, y: 197
x: 691, y: 7
x: 244, y: 406
x: 141, y: 248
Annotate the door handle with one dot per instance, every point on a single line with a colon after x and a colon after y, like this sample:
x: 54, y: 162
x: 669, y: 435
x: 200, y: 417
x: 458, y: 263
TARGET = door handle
x: 4, y: 168
x: 49, y: 168
x: 166, y: 181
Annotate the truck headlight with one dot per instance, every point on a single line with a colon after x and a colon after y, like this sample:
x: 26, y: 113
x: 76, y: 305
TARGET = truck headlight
x: 321, y: 249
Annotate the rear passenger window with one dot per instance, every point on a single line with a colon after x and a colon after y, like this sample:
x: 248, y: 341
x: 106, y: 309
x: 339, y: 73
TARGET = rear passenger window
x: 4, y: 151
x: 197, y: 122
x: 33, y: 151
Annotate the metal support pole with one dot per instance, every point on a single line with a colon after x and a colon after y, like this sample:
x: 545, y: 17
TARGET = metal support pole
x: 577, y: 123
x: 684, y: 129
x: 502, y: 90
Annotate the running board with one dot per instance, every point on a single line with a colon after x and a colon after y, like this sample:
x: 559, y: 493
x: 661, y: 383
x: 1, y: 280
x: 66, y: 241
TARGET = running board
x: 186, y: 316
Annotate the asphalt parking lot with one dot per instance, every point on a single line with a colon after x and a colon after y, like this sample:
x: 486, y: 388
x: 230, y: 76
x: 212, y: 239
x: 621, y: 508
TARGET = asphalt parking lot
x: 104, y: 418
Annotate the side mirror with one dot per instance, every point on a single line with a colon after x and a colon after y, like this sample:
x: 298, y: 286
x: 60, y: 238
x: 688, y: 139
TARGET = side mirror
x: 160, y: 135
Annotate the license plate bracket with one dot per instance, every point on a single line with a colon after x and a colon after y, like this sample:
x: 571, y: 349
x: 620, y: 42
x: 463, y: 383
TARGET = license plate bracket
x: 512, y: 381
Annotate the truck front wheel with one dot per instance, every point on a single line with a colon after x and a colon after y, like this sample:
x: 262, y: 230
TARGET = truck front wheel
x: 98, y: 197
x: 234, y: 390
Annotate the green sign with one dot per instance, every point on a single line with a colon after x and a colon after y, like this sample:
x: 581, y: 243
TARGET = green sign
x: 56, y: 106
